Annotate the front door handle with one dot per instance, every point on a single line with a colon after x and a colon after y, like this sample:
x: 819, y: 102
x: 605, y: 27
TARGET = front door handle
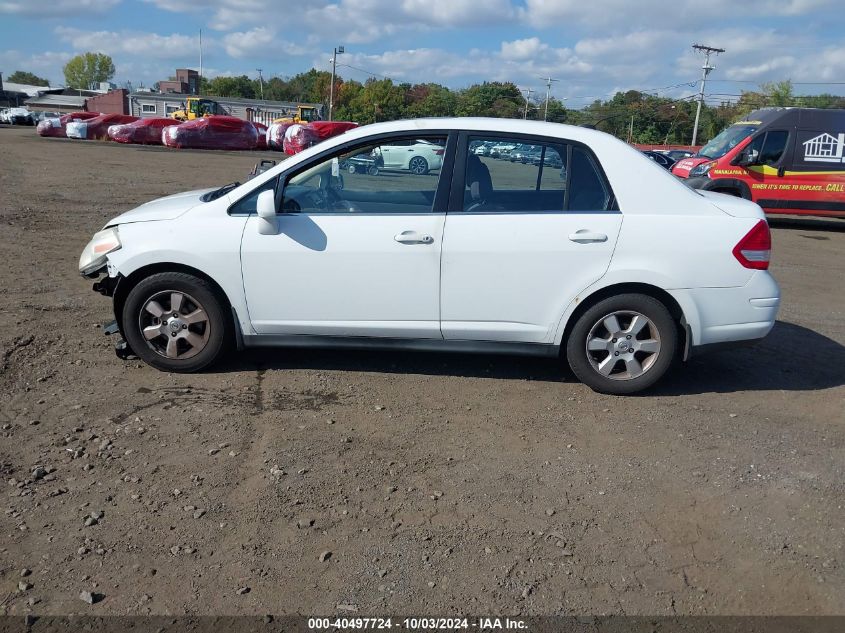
x: 412, y: 237
x: 585, y: 236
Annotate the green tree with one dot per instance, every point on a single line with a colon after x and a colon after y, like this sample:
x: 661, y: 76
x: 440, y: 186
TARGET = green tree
x: 495, y: 99
x: 23, y: 77
x: 778, y: 93
x: 88, y: 68
x: 241, y: 86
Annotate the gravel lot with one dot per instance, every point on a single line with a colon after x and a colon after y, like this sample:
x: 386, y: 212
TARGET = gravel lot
x: 393, y: 483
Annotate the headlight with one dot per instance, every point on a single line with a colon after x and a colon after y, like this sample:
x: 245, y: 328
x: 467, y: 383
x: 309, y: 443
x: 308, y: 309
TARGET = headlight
x: 94, y: 256
x: 701, y: 170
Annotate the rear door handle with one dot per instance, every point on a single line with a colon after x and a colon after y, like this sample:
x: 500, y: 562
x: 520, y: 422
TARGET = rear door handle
x: 585, y: 236
x: 412, y: 237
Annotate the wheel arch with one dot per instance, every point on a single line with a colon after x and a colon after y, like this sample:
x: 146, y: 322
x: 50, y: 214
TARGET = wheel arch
x: 650, y: 290
x: 732, y: 186
x: 131, y: 280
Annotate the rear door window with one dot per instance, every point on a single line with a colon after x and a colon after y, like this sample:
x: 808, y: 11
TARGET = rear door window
x: 540, y: 177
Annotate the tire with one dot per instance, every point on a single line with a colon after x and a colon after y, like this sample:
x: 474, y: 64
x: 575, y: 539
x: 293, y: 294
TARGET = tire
x: 193, y: 343
x: 418, y: 165
x: 608, y: 365
x: 351, y: 169
x: 373, y: 171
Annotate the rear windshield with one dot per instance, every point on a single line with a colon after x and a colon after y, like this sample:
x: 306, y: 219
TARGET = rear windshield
x: 727, y: 140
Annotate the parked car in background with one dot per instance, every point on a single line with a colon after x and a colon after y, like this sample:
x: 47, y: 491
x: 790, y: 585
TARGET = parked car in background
x: 787, y: 160
x: 678, y: 154
x: 488, y: 256
x: 19, y: 116
x: 517, y: 152
x: 414, y: 155
x: 550, y: 158
x: 660, y: 158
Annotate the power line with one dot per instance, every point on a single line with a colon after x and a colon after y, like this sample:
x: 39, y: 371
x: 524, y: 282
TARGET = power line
x: 368, y: 72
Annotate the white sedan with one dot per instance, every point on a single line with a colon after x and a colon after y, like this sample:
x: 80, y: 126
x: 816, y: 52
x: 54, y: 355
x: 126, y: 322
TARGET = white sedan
x: 418, y: 156
x: 606, y: 260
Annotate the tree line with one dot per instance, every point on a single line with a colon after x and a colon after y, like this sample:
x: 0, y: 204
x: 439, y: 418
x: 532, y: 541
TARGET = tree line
x: 635, y: 116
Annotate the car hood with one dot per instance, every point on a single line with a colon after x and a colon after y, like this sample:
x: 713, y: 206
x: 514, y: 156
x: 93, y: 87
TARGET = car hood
x: 167, y: 208
x: 737, y: 207
x: 683, y: 167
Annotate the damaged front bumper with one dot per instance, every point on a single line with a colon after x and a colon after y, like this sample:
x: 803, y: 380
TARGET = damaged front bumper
x: 107, y: 286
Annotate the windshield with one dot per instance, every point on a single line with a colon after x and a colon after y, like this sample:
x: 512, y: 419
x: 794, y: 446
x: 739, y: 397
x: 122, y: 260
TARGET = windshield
x: 726, y: 140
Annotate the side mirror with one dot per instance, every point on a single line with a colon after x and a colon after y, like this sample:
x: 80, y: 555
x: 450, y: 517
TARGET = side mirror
x: 268, y: 221
x: 748, y: 157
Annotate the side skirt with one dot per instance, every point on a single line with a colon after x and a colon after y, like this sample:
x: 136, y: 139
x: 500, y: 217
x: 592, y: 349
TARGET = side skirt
x: 421, y: 345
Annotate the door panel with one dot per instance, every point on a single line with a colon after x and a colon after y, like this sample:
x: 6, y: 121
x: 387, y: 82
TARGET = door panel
x: 355, y: 254
x: 344, y: 275
x: 527, y: 240
x: 509, y: 277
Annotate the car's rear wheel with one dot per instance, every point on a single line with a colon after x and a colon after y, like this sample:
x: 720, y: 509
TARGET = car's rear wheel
x: 175, y: 322
x: 418, y: 165
x: 623, y: 344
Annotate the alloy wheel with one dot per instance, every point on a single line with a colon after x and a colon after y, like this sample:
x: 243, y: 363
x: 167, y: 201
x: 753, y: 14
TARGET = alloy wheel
x: 623, y: 345
x: 174, y: 325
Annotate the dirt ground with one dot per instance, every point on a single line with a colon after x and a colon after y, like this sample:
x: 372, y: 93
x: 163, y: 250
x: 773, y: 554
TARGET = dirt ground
x: 439, y: 485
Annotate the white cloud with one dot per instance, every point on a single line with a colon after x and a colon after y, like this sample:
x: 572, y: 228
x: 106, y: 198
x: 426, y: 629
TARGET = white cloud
x: 55, y: 8
x: 262, y: 41
x: 149, y: 45
x: 47, y: 64
x: 523, y: 49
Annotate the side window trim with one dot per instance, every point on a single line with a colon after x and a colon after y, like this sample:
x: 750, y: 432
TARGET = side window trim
x: 281, y: 179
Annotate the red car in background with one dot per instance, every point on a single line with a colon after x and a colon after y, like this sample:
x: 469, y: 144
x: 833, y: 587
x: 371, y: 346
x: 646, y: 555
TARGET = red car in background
x: 56, y: 126
x: 98, y: 127
x: 787, y: 160
x: 142, y: 132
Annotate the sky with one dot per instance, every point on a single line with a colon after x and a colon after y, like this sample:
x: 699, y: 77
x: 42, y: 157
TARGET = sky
x: 592, y: 48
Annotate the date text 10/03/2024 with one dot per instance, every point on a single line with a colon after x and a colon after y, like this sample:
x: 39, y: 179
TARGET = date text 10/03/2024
x: 419, y: 624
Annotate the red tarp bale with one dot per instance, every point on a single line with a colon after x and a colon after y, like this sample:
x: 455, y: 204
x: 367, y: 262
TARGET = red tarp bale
x: 262, y: 134
x: 214, y: 132
x: 276, y: 135
x: 143, y: 131
x: 56, y: 126
x: 299, y: 137
x: 98, y: 127
x: 327, y: 129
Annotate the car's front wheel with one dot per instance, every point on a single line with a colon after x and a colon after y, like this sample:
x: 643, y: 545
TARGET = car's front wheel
x: 623, y: 344
x: 175, y: 322
x: 418, y: 165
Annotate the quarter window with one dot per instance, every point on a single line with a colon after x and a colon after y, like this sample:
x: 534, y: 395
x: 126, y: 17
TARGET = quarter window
x: 393, y: 176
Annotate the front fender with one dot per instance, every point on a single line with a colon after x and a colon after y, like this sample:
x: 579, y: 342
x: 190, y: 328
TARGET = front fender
x: 215, y: 252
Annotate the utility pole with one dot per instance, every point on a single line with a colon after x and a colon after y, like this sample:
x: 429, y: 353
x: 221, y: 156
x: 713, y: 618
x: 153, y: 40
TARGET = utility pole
x: 339, y: 50
x: 261, y: 82
x: 631, y: 130
x: 548, y: 81
x: 527, y: 101
x: 705, y: 70
x: 199, y: 87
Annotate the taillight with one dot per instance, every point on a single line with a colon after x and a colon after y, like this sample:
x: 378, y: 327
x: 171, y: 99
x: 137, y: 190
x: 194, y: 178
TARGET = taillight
x: 439, y: 152
x: 755, y: 249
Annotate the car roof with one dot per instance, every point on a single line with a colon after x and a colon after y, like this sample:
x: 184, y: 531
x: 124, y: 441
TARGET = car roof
x: 480, y: 124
